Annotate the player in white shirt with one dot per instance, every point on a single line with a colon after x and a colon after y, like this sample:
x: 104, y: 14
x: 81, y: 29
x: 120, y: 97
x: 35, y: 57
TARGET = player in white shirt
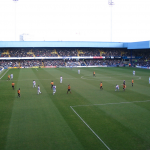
x: 61, y: 79
x: 34, y: 83
x: 11, y: 76
x: 54, y: 89
x: 38, y: 90
x: 133, y: 72
x: 149, y: 80
x: 78, y: 71
x: 117, y: 87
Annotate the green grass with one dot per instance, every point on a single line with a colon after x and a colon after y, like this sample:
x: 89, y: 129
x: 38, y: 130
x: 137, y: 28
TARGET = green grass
x: 89, y: 118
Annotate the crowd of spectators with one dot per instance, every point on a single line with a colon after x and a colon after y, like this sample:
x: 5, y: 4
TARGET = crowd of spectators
x: 94, y: 62
x: 82, y: 62
x: 3, y: 52
x: 63, y: 63
x: 67, y: 52
x: 89, y: 52
x: 30, y: 63
x: 112, y: 52
x: 20, y: 52
x: 9, y: 63
x: 54, y: 63
x: 140, y: 57
x: 44, y: 52
x: 64, y: 52
x: 141, y: 62
x: 72, y: 62
x: 4, y: 55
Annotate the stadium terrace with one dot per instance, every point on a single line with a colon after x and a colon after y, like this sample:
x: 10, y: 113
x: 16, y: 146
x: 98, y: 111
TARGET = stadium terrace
x: 66, y: 54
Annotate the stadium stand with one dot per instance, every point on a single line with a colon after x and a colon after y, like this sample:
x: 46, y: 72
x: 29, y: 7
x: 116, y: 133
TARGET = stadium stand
x: 30, y: 57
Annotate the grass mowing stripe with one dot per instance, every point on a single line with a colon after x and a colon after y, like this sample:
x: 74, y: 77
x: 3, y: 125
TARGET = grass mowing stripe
x: 33, y: 114
x: 143, y: 133
x: 6, y: 106
x: 53, y: 76
x: 63, y: 104
x: 112, y: 128
x: 35, y: 119
x: 90, y: 128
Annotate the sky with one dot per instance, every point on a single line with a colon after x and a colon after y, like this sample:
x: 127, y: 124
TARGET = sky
x: 75, y: 20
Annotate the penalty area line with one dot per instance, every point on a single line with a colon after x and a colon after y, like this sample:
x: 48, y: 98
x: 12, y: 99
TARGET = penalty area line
x: 112, y: 103
x: 4, y: 73
x: 90, y: 128
x: 101, y: 104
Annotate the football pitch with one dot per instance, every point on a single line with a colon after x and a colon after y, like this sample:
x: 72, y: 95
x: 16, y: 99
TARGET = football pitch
x: 89, y: 118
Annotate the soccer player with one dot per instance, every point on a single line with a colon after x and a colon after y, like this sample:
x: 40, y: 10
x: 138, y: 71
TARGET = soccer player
x: 149, y: 80
x: 38, y: 90
x: 61, y: 79
x: 54, y: 89
x: 11, y: 76
x: 117, y: 87
x: 133, y: 72
x: 34, y: 83
x: 101, y: 86
x: 18, y: 91
x: 52, y: 83
x: 78, y: 71
x: 13, y: 85
x: 69, y: 88
x: 124, y: 82
x: 132, y: 82
x: 94, y: 74
x: 8, y: 77
x: 124, y: 85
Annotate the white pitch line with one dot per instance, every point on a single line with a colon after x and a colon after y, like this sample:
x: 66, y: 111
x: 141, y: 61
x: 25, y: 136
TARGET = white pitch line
x: 113, y: 103
x: 101, y: 104
x: 4, y: 74
x: 90, y: 128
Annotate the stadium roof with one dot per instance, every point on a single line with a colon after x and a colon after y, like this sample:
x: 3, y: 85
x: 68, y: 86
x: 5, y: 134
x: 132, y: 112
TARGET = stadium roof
x: 78, y: 44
